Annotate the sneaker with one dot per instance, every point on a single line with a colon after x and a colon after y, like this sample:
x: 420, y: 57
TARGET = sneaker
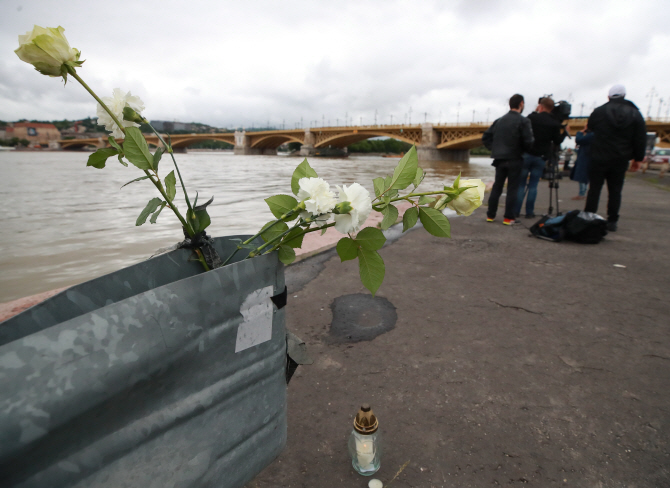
x: 611, y: 226
x: 530, y: 216
x: 509, y: 221
x: 489, y: 219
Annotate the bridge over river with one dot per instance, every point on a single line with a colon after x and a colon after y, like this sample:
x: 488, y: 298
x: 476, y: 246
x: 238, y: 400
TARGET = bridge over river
x: 443, y: 142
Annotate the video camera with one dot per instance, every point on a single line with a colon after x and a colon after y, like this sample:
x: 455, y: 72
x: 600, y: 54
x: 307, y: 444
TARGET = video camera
x: 562, y: 109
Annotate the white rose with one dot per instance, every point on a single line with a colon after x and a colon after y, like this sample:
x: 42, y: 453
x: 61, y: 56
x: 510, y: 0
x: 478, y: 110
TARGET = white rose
x: 361, y: 206
x: 116, y: 104
x: 470, y: 199
x: 316, y: 194
x: 48, y: 51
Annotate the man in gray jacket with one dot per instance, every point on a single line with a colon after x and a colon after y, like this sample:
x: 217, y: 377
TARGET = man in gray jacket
x: 508, y: 138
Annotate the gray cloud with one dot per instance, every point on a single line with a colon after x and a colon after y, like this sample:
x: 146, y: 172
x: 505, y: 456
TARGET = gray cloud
x: 241, y: 63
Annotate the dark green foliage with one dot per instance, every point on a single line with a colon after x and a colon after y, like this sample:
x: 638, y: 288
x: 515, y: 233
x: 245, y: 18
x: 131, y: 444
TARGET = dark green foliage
x: 212, y: 144
x: 480, y: 151
x: 391, y: 146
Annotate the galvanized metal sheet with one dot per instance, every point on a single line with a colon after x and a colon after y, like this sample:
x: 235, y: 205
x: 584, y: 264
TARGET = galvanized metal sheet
x: 150, y: 388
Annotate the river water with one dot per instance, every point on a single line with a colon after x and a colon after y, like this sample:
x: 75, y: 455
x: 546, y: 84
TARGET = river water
x: 63, y: 223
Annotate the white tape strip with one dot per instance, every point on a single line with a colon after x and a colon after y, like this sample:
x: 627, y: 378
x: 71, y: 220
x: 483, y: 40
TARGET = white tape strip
x: 257, y: 313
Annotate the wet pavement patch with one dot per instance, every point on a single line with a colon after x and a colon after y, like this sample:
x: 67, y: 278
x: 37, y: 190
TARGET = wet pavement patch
x: 360, y: 317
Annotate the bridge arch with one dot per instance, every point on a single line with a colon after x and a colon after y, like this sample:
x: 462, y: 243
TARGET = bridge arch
x: 80, y: 144
x: 272, y: 141
x: 466, y: 142
x: 185, y: 141
x: 345, y: 139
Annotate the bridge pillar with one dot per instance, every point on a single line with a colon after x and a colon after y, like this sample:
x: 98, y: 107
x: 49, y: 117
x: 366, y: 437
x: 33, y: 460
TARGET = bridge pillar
x: 243, y: 146
x: 307, y: 149
x: 428, y: 151
x: 179, y: 150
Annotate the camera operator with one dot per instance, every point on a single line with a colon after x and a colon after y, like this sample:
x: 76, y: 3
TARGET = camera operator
x: 547, y: 128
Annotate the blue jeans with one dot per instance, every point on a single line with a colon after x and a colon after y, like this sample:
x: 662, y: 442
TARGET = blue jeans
x: 533, y: 166
x: 582, y: 188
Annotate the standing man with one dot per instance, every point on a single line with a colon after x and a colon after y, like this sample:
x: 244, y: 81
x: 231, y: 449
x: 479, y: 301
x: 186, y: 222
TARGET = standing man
x: 508, y: 138
x: 620, y: 135
x: 546, y: 129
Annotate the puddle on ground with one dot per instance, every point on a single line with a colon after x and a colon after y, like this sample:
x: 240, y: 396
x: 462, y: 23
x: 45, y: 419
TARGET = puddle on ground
x: 361, y: 317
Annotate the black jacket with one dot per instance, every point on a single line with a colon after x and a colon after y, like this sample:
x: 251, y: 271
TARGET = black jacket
x: 546, y: 129
x: 620, y: 132
x: 509, y: 137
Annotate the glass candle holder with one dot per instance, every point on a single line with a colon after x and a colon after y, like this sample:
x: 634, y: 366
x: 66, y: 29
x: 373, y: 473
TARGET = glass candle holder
x: 365, y: 442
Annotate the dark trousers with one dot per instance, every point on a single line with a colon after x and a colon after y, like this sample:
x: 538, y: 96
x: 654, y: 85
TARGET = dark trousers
x: 612, y: 172
x: 510, y: 170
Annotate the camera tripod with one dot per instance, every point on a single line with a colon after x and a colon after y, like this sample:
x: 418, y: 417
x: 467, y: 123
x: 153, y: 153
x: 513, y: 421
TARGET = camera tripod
x: 553, y: 174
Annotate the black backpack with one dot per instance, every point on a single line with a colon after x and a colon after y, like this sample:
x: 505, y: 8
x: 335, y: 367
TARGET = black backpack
x: 577, y: 226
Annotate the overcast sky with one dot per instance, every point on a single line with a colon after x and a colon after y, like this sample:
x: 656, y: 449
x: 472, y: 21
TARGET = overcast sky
x: 245, y: 63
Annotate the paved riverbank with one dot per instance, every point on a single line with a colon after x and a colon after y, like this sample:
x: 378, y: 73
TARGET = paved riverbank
x: 513, y: 361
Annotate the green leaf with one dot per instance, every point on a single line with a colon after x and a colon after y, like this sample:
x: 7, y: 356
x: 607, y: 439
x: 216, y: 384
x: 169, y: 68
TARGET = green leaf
x: 276, y: 230
x: 149, y: 209
x: 304, y: 170
x: 425, y: 199
x: 201, y: 220
x: 347, y: 249
x: 122, y: 161
x: 405, y: 172
x: 379, y: 186
x: 99, y: 157
x: 371, y: 238
x: 136, y: 149
x: 390, y: 214
x: 153, y: 218
x: 418, y: 178
x: 457, y: 181
x: 292, y: 240
x: 371, y: 269
x: 409, y: 218
x: 115, y: 145
x: 434, y: 222
x: 157, y: 158
x: 286, y: 254
x: 171, y: 185
x: 282, y: 204
x: 136, y: 179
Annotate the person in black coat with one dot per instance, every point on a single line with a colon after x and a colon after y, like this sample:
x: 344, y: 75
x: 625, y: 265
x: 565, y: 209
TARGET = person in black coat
x: 548, y: 134
x: 508, y: 138
x: 620, y: 135
x: 580, y: 171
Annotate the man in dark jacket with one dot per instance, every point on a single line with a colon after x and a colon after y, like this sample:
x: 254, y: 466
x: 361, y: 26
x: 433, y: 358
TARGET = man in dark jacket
x: 508, y: 138
x: 620, y: 135
x: 547, y: 129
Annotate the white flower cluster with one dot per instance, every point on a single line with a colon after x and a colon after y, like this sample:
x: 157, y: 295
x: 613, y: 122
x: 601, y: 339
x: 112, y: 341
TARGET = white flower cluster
x: 116, y: 103
x: 320, y: 202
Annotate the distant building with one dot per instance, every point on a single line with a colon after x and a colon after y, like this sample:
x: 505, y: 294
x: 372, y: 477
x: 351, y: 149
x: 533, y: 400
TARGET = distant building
x: 36, y: 134
x: 77, y: 131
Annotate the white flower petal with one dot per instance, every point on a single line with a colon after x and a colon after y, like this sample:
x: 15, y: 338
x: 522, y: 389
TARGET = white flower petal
x: 359, y: 198
x: 316, y: 194
x: 116, y: 103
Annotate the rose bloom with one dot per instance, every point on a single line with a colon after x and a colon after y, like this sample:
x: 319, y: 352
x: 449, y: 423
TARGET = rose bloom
x: 316, y: 194
x: 116, y: 103
x: 470, y: 199
x: 361, y: 205
x: 47, y: 50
